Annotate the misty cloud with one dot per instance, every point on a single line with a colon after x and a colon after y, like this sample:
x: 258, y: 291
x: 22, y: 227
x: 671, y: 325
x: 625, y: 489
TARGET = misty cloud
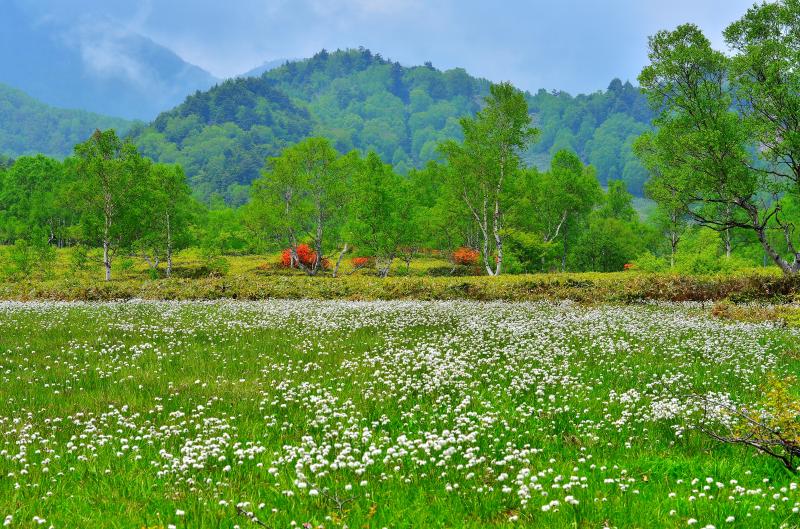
x: 575, y: 45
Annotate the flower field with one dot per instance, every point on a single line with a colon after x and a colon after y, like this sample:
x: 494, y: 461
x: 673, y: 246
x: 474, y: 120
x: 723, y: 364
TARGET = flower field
x: 301, y: 413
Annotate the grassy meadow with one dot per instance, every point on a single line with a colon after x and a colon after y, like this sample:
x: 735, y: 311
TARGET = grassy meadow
x: 313, y: 413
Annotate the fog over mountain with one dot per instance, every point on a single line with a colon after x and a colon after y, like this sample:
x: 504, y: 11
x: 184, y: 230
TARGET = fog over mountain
x: 92, y: 64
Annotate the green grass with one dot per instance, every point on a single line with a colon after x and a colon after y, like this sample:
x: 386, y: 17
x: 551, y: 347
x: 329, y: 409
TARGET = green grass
x: 123, y: 414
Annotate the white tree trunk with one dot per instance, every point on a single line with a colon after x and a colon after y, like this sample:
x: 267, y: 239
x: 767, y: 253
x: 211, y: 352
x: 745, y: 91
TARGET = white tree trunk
x: 339, y: 260
x: 169, y: 248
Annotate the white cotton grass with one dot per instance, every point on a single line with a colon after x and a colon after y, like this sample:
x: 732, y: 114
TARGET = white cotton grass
x: 536, y: 410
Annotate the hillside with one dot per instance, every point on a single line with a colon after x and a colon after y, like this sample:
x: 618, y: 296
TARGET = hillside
x: 362, y: 101
x: 93, y: 64
x: 600, y: 127
x: 28, y: 126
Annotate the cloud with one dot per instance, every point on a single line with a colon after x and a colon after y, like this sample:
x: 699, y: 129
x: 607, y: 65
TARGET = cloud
x: 576, y: 45
x: 362, y: 8
x: 106, y: 50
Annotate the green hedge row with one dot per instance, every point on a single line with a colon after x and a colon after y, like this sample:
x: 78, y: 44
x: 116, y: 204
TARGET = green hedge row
x: 595, y: 287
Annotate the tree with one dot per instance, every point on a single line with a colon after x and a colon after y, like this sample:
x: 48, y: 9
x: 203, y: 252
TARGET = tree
x: 565, y: 195
x: 32, y: 201
x: 607, y: 244
x: 110, y: 172
x: 167, y: 210
x: 410, y: 222
x: 617, y: 202
x: 374, y: 221
x: 613, y: 235
x: 731, y: 169
x: 302, y: 196
x: 482, y: 166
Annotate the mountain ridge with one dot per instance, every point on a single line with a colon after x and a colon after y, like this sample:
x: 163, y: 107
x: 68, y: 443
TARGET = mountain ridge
x: 360, y: 100
x: 28, y: 126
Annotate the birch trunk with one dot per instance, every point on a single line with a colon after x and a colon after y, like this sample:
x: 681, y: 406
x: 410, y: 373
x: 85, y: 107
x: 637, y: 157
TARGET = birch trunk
x: 169, y: 248
x: 106, y: 248
x: 339, y: 260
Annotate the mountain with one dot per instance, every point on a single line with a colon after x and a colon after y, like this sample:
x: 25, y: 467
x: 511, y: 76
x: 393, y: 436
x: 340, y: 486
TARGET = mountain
x: 362, y: 101
x: 600, y: 127
x: 265, y: 67
x: 93, y: 65
x: 28, y: 126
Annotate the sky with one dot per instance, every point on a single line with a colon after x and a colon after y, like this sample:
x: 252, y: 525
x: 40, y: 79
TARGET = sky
x: 572, y: 45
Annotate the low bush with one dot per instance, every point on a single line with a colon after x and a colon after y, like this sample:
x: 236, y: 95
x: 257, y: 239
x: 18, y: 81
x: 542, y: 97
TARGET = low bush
x: 26, y: 259
x: 647, y: 262
x: 305, y: 255
x: 466, y: 256
x: 622, y: 287
x: 360, y: 262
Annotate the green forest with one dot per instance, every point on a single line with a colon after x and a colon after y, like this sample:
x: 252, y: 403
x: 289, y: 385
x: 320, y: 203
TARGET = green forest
x: 28, y: 126
x: 349, y: 154
x: 361, y: 101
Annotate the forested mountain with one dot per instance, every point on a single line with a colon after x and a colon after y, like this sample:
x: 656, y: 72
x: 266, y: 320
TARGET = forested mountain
x: 28, y: 126
x: 94, y: 65
x: 362, y: 101
x: 600, y: 127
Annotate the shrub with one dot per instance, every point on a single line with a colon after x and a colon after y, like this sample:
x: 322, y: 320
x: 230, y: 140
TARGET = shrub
x: 126, y: 264
x: 360, y: 262
x: 466, y: 256
x: 19, y: 260
x: 214, y: 262
x: 79, y: 259
x: 647, y: 262
x: 26, y: 259
x: 527, y: 253
x: 772, y: 426
x: 305, y: 254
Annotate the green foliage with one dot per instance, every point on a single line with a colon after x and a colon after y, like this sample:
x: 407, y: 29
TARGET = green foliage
x: 702, y: 253
x: 727, y: 133
x: 111, y: 192
x: 555, y: 204
x: 126, y: 264
x: 527, y: 252
x: 32, y: 198
x: 606, y: 245
x: 167, y: 211
x: 79, y: 259
x: 214, y: 262
x: 18, y: 261
x: 303, y: 195
x: 647, y: 262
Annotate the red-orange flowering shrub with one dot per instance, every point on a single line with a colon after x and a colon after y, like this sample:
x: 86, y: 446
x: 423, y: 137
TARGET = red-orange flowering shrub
x: 305, y: 255
x: 465, y: 256
x: 359, y: 262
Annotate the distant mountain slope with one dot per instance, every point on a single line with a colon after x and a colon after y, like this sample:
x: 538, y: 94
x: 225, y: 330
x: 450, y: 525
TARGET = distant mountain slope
x: 265, y: 67
x: 94, y: 66
x: 28, y: 126
x: 600, y: 127
x: 361, y: 101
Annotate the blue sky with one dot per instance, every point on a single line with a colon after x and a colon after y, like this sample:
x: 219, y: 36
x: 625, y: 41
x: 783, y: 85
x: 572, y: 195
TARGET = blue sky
x: 573, y: 45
